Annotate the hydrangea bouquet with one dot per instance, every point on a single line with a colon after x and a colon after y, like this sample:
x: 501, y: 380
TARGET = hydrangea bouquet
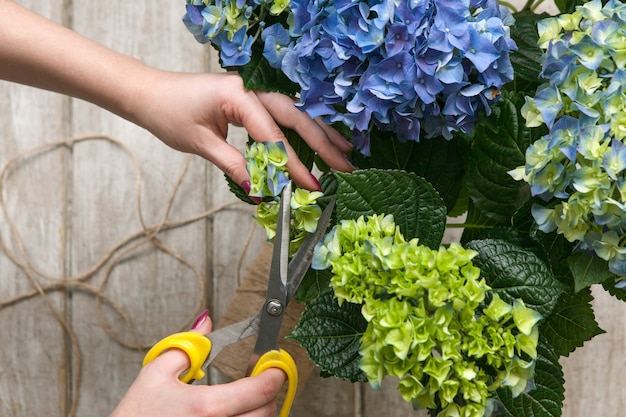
x: 512, y: 119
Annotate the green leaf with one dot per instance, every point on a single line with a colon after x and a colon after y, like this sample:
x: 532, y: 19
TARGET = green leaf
x: 438, y: 160
x: 259, y: 75
x: 516, y: 272
x: 526, y: 60
x: 588, y: 270
x: 500, y: 142
x: 331, y: 335
x: 556, y: 250
x: 313, y: 285
x: 476, y: 223
x: 546, y: 400
x: 568, y: 6
x: 416, y: 207
x: 571, y: 323
x: 238, y: 191
x: 619, y: 293
x: 304, y: 152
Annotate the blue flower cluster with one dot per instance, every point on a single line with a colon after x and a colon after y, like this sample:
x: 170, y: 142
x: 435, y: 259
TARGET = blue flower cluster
x: 403, y: 66
x: 581, y: 162
x: 232, y: 26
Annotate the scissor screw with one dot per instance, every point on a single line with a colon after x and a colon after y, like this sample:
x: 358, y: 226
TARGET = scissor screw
x: 274, y: 307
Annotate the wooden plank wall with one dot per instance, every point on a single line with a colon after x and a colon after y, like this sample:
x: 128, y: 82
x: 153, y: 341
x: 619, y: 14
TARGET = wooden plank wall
x: 83, y: 290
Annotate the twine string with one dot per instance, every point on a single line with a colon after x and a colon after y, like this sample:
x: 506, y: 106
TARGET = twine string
x: 44, y: 284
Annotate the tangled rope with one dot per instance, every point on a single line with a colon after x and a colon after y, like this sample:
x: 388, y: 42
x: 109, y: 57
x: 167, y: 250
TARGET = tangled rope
x: 44, y: 284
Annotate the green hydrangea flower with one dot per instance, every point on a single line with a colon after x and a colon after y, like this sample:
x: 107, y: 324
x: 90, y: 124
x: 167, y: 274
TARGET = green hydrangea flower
x: 427, y: 322
x: 266, y: 164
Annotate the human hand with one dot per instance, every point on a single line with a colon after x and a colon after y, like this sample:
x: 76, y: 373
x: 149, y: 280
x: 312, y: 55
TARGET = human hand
x: 188, y: 112
x: 157, y: 391
x: 191, y: 113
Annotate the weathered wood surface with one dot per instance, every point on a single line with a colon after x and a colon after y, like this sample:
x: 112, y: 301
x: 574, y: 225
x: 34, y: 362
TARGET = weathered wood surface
x: 67, y: 207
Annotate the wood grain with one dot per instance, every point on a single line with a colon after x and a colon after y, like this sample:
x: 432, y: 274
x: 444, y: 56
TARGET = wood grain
x: 71, y: 205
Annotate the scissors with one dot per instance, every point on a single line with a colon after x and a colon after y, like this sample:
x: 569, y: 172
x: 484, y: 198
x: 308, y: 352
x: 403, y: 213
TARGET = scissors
x: 284, y: 279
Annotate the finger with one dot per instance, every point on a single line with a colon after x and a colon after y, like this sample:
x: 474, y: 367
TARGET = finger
x: 260, y: 124
x: 335, y: 137
x: 203, y: 324
x: 225, y: 157
x: 283, y: 110
x: 250, y: 393
x: 268, y: 410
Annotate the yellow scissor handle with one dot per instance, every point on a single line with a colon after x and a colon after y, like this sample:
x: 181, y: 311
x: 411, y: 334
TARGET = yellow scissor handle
x: 195, y: 345
x: 282, y: 360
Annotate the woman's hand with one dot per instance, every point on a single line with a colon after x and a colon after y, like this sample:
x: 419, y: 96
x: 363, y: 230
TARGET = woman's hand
x: 191, y: 113
x: 157, y: 391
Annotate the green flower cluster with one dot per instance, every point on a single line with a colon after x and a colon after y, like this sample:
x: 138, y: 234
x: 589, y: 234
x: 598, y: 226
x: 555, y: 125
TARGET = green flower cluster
x: 266, y: 164
x: 580, y: 164
x: 426, y: 321
x: 304, y: 212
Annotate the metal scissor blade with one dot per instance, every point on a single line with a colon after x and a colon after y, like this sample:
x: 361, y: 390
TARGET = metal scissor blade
x: 302, y: 259
x: 276, y: 298
x: 276, y: 288
x: 230, y: 334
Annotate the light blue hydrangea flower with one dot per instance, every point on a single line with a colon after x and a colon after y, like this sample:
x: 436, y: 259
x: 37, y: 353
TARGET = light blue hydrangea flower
x: 580, y: 164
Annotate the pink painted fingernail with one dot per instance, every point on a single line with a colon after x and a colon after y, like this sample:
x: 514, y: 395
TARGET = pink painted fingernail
x: 317, y: 183
x: 201, y: 319
x: 246, y: 187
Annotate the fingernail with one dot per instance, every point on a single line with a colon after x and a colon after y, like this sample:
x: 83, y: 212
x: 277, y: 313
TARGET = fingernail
x: 246, y: 188
x: 317, y: 183
x: 351, y: 162
x: 201, y: 319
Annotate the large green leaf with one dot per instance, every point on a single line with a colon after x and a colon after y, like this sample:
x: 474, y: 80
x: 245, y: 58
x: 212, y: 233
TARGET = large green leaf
x: 416, y: 207
x: 588, y: 270
x: 546, y: 399
x: 571, y: 323
x: 437, y: 160
x: 556, y: 251
x: 526, y: 60
x: 516, y: 272
x: 500, y: 142
x: 331, y: 335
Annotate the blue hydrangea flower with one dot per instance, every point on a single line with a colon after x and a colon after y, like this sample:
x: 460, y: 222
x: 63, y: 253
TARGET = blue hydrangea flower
x: 439, y: 47
x: 236, y: 51
x: 416, y: 68
x: 276, y: 42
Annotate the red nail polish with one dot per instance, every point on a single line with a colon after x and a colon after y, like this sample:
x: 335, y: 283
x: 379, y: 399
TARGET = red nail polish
x: 246, y: 187
x: 201, y: 319
x: 317, y: 183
